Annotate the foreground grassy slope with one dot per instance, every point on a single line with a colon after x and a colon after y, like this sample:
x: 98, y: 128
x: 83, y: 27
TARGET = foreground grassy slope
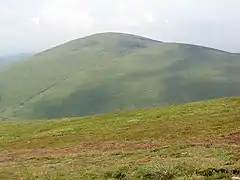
x: 109, y: 72
x: 183, y: 141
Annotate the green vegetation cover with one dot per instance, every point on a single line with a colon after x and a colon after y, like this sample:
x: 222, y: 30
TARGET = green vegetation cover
x: 113, y: 72
x: 192, y: 141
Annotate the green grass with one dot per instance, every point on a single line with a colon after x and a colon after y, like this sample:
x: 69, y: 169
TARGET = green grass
x: 191, y: 141
x: 110, y: 72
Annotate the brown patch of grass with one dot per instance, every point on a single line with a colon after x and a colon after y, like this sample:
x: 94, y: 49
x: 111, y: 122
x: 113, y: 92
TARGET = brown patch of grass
x: 232, y: 138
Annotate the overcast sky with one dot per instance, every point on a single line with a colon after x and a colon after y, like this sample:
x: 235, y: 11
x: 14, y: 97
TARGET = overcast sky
x: 35, y: 25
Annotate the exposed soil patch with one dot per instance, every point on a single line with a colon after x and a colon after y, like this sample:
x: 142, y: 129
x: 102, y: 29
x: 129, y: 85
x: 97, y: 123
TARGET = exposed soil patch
x: 6, y: 160
x: 109, y: 147
x: 211, y: 171
x: 84, y: 148
x: 232, y: 138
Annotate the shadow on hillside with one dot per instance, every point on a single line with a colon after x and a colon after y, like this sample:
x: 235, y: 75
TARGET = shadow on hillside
x: 114, y: 95
x: 80, y: 103
x: 181, y: 90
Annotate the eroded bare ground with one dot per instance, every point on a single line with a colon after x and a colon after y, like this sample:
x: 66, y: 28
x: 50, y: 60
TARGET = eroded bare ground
x: 231, y: 140
x: 84, y: 148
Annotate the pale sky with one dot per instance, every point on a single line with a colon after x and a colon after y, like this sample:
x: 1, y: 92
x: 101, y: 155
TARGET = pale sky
x: 36, y: 25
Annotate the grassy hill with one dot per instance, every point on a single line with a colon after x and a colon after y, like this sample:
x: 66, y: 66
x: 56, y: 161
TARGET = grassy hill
x: 192, y: 141
x: 111, y: 72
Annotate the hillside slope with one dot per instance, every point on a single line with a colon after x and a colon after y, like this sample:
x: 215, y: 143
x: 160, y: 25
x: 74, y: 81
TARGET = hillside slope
x: 110, y: 71
x: 192, y: 141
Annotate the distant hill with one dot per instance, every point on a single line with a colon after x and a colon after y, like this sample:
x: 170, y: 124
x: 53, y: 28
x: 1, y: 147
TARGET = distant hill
x: 113, y: 71
x: 9, y: 59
